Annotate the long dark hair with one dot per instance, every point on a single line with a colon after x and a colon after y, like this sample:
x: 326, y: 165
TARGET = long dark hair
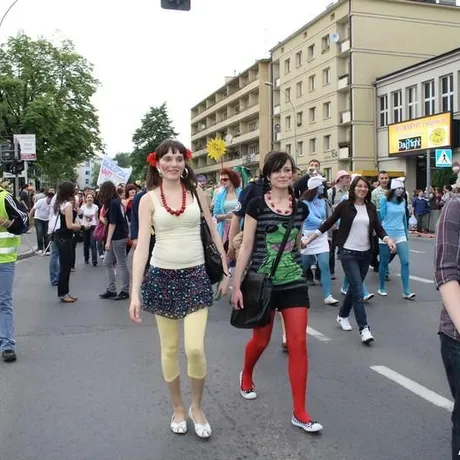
x: 65, y: 192
x: 275, y: 163
x: 391, y: 194
x: 352, y: 192
x: 107, y: 193
x: 153, y: 176
x: 309, y: 195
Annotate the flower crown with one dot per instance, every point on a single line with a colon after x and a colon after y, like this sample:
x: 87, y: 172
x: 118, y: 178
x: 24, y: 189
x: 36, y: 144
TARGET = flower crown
x: 152, y: 159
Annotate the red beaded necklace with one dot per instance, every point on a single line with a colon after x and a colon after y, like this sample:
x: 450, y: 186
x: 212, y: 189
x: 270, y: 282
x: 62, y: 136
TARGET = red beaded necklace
x: 174, y: 212
x: 279, y: 211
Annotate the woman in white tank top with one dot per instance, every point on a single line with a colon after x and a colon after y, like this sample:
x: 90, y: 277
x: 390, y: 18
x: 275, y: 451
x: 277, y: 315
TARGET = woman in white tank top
x: 176, y: 286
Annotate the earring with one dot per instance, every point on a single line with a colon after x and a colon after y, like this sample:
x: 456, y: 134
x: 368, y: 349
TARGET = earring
x: 159, y: 172
x: 186, y: 174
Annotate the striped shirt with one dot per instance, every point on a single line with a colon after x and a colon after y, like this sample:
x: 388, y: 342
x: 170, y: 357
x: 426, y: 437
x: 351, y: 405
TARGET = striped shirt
x: 447, y: 257
x: 271, y: 228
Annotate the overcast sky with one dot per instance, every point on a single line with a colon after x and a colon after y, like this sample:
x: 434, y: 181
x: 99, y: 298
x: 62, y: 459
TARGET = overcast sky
x: 144, y: 55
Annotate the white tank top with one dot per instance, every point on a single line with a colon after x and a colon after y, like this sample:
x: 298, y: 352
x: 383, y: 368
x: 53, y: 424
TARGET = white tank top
x: 177, y: 238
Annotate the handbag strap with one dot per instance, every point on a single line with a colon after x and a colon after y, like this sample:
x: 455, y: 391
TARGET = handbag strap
x: 195, y: 193
x: 284, y: 242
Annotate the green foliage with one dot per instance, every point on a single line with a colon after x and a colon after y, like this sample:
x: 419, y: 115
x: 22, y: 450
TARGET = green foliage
x: 46, y: 90
x: 443, y: 177
x: 95, y: 173
x: 123, y: 159
x: 155, y: 128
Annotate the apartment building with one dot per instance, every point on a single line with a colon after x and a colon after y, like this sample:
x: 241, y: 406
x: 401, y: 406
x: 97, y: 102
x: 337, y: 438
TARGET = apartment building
x: 238, y: 112
x: 420, y: 98
x: 323, y: 75
x: 85, y: 172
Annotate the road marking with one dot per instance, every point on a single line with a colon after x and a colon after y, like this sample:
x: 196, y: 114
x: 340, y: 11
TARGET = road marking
x: 417, y: 252
x: 420, y: 280
x: 414, y: 387
x: 318, y: 335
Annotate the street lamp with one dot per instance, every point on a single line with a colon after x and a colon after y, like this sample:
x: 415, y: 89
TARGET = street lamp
x: 7, y: 11
x: 288, y: 99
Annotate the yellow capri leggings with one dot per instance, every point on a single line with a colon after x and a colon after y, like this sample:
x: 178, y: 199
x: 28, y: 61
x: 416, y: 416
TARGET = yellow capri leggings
x: 194, y: 330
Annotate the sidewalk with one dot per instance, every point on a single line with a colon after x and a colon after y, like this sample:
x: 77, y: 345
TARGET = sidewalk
x: 421, y: 235
x: 25, y: 250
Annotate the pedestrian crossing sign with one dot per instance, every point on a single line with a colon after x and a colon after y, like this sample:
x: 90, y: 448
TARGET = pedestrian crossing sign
x: 444, y: 158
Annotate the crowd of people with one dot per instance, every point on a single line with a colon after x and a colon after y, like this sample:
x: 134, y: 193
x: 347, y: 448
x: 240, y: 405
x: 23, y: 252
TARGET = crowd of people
x: 316, y: 222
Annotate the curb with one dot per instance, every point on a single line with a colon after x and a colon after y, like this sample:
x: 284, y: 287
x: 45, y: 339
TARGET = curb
x: 26, y: 255
x: 424, y: 236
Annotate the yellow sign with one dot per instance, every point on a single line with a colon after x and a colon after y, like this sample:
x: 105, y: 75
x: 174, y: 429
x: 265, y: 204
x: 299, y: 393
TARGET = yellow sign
x: 431, y: 132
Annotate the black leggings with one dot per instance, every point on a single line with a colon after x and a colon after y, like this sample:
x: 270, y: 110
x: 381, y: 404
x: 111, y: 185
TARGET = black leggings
x: 66, y: 257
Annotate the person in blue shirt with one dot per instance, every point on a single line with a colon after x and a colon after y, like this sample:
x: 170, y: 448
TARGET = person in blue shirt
x: 394, y: 221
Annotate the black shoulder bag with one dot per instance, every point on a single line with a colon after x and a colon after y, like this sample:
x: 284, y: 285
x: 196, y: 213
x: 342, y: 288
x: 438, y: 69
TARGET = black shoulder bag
x: 257, y: 292
x: 212, y: 257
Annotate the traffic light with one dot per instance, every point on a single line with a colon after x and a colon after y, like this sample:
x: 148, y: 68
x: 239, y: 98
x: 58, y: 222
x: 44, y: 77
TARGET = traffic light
x: 183, y: 5
x: 18, y: 167
x: 6, y: 153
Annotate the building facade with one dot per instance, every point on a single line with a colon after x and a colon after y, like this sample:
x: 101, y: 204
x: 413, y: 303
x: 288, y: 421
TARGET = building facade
x: 238, y: 112
x: 323, y: 76
x: 85, y: 172
x: 422, y: 93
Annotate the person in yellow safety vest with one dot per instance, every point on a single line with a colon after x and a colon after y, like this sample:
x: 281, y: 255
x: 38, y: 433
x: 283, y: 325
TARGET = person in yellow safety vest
x: 13, y: 222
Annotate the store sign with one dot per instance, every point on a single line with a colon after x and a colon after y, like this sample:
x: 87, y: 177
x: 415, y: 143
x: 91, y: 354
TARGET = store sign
x: 431, y: 132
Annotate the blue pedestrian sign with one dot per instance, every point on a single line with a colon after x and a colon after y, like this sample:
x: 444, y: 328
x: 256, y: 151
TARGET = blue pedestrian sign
x: 444, y: 158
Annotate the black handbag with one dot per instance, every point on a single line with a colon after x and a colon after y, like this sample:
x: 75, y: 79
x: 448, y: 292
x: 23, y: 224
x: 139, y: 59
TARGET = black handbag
x: 212, y: 256
x: 256, y: 289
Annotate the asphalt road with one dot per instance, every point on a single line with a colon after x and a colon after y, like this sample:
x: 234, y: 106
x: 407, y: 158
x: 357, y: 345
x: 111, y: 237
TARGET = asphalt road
x: 87, y: 384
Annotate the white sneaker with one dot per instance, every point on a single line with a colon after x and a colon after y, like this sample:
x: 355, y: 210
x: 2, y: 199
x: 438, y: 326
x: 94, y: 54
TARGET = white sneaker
x: 330, y: 301
x: 39, y: 251
x: 343, y: 292
x: 366, y: 336
x: 382, y: 293
x: 309, y: 427
x: 368, y: 297
x: 247, y: 394
x: 410, y: 296
x: 344, y: 323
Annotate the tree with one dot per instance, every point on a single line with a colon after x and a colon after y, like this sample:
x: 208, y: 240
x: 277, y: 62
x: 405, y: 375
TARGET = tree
x: 46, y: 90
x: 443, y: 177
x: 95, y: 173
x: 155, y: 128
x: 123, y: 159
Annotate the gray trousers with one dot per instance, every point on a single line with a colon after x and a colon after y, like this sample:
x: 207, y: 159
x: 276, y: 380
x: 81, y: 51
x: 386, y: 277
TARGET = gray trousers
x: 117, y: 254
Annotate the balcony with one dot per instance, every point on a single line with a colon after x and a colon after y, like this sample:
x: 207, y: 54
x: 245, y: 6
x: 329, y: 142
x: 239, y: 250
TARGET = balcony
x: 345, y: 117
x: 344, y: 47
x: 344, y: 83
x: 250, y: 136
x: 344, y: 153
x: 278, y: 137
x: 277, y: 82
x: 276, y: 110
x: 216, y: 166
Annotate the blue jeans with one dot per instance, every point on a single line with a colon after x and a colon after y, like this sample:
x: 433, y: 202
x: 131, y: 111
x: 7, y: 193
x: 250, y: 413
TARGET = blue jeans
x: 402, y: 249
x: 355, y: 265
x: 346, y: 285
x: 450, y: 352
x: 7, y: 341
x: 323, y: 262
x: 54, y: 264
x: 41, y: 227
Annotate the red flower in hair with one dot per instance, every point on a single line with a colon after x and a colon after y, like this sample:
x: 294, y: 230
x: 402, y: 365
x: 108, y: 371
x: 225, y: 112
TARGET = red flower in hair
x: 152, y: 159
x: 188, y: 154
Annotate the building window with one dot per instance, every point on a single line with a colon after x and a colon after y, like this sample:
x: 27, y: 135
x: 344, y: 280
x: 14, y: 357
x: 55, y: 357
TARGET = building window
x: 397, y: 106
x: 311, y: 52
x: 252, y: 126
x: 299, y: 89
x: 447, y: 93
x: 288, y: 148
x: 383, y: 109
x: 86, y: 173
x: 87, y: 181
x: 327, y: 76
x: 327, y: 143
x: 428, y: 98
x: 298, y: 59
x: 287, y: 66
x: 287, y: 95
x: 312, y: 114
x: 300, y: 148
x: 287, y: 122
x: 299, y: 118
x: 253, y: 149
x: 325, y: 43
x: 327, y: 110
x: 412, y: 102
x: 313, y: 145
x: 312, y: 83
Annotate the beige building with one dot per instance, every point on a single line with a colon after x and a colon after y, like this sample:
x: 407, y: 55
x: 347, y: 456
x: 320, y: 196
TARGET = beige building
x: 238, y: 112
x: 323, y: 75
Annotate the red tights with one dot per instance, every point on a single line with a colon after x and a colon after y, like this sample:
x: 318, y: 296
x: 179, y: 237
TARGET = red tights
x: 295, y: 321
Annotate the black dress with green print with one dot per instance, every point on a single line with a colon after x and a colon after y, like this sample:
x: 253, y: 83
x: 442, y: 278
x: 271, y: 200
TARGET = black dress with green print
x: 290, y: 287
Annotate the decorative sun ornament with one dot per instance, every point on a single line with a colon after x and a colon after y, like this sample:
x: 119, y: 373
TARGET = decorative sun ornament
x: 216, y: 148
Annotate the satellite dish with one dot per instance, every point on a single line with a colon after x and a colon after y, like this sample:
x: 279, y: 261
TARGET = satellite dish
x: 277, y: 128
x: 335, y: 37
x: 228, y: 138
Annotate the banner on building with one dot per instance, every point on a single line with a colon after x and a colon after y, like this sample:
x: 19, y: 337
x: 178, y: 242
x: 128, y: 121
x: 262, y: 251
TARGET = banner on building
x: 28, y: 146
x: 431, y: 132
x: 110, y: 171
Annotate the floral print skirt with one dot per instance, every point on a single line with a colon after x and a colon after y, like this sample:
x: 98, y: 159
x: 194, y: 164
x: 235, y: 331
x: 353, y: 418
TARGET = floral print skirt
x: 176, y: 293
